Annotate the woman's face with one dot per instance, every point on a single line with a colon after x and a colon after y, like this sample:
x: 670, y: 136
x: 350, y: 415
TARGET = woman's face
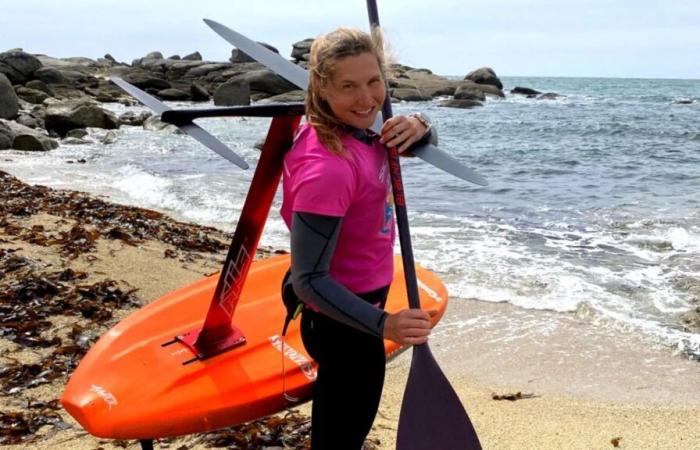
x: 355, y: 91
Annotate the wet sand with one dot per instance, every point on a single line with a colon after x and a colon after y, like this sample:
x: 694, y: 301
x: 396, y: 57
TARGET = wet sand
x: 592, y: 386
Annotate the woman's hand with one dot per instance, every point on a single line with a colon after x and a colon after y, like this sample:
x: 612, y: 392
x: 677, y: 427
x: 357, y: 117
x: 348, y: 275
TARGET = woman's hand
x: 409, y: 326
x: 402, y: 132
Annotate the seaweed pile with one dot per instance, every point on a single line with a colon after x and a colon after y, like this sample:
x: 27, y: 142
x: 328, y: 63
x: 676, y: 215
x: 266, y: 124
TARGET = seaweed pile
x: 129, y: 224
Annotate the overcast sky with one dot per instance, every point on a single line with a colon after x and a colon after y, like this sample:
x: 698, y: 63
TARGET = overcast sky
x: 603, y: 38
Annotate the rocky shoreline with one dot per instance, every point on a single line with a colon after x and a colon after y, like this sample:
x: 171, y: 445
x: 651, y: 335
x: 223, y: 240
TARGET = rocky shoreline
x: 45, y: 101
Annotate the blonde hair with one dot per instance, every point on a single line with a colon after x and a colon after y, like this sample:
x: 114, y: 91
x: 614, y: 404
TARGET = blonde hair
x: 326, y: 51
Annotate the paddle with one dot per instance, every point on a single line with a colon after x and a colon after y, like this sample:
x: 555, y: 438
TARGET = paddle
x: 432, y: 416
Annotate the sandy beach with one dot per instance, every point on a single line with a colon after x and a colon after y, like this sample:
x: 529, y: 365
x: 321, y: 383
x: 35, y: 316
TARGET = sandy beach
x: 584, y: 386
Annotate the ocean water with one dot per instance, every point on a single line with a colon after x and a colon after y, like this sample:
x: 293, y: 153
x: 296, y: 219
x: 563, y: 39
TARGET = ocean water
x: 593, y: 206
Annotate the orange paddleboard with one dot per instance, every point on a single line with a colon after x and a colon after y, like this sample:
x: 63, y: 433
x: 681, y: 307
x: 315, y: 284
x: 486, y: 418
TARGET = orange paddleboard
x: 131, y: 386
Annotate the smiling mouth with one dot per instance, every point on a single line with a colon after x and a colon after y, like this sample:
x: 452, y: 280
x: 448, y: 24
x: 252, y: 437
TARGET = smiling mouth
x: 365, y: 112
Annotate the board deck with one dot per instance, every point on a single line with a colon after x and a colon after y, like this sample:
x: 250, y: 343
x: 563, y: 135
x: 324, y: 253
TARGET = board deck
x: 130, y: 385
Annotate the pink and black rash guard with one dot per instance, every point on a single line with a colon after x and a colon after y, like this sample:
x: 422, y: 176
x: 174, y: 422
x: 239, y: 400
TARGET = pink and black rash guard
x: 341, y: 220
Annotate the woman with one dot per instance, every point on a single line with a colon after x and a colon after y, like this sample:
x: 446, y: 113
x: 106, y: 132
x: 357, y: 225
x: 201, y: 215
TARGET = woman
x: 337, y: 204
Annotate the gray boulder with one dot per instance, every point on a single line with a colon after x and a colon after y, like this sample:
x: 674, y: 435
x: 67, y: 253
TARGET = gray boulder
x: 484, y: 75
x: 301, y: 49
x: 25, y: 138
x: 428, y: 84
x: 199, y: 93
x: 6, y: 136
x: 78, y: 133
x: 196, y: 56
x: 460, y: 103
x: 469, y: 91
x: 5, y: 141
x: 177, y: 70
x: 133, y: 119
x: 29, y: 121
x: 409, y: 95
x: 50, y: 75
x: 40, y: 86
x: 62, y: 117
x: 519, y: 90
x: 173, y: 94
x: 9, y: 102
x: 265, y: 81
x: 232, y: 93
x: 33, y: 96
x: 74, y: 141
x: 203, y: 70
x: 145, y: 80
x: 287, y: 97
x: 18, y: 66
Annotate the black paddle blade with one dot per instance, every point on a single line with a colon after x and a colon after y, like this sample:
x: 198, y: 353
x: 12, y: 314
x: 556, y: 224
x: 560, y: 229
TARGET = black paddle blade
x: 432, y: 416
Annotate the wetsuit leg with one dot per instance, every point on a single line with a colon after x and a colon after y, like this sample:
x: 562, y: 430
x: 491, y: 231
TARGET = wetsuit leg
x: 349, y: 384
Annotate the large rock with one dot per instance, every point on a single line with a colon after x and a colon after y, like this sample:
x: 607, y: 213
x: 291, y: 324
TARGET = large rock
x: 178, y: 70
x: 34, y: 96
x: 25, y: 138
x: 287, y: 97
x: 173, y: 94
x: 9, y: 103
x: 301, y: 49
x: 199, y: 93
x: 265, y: 81
x: 428, y: 84
x: 196, y: 56
x: 484, y: 75
x: 5, y: 141
x: 29, y: 121
x: 40, y: 86
x: 51, y: 75
x: 6, y: 136
x: 460, y: 103
x: 529, y: 92
x: 204, y: 69
x: 238, y: 56
x: 469, y: 90
x: 134, y: 119
x: 62, y: 117
x: 232, y: 93
x: 409, y: 95
x: 145, y: 80
x: 18, y: 66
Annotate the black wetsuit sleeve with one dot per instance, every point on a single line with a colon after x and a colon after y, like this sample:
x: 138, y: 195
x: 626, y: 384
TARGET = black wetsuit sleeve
x: 314, y: 238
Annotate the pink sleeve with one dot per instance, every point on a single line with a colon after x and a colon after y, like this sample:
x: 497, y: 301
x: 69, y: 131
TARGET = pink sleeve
x: 323, y: 185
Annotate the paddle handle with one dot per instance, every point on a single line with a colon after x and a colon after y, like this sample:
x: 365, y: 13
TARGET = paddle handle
x: 409, y: 267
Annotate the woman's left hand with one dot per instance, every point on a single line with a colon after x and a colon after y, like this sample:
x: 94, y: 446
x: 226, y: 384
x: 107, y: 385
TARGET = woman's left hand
x: 402, y: 132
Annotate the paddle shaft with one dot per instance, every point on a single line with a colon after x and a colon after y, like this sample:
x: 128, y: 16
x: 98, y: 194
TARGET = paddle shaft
x: 397, y: 188
x: 429, y: 397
